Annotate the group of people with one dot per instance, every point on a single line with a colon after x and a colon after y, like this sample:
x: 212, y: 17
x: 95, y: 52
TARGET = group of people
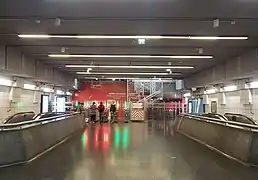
x: 101, y: 109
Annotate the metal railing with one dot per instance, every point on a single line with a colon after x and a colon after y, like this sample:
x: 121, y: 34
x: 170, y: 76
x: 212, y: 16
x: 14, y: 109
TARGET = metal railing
x: 151, y: 96
x: 222, y: 122
x: 26, y: 124
x: 159, y: 111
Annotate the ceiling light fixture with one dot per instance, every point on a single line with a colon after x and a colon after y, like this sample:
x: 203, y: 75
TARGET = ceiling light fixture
x: 68, y: 93
x: 187, y: 94
x: 60, y: 92
x: 210, y: 91
x: 48, y: 90
x: 99, y: 73
x: 131, y: 78
x: 46, y: 36
x: 216, y: 38
x: 5, y: 82
x: 230, y: 88
x: 253, y: 85
x: 29, y: 86
x: 131, y: 67
x: 127, y: 56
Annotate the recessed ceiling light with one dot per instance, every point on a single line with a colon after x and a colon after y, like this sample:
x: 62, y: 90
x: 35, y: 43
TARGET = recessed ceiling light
x: 128, y: 56
x: 46, y: 36
x: 131, y: 67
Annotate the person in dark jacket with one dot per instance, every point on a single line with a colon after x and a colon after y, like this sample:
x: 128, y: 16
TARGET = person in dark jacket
x: 101, y: 109
x: 112, y: 112
x: 93, y: 110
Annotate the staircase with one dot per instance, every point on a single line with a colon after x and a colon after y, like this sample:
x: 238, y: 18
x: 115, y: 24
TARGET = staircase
x: 142, y: 90
x: 132, y: 93
x: 149, y: 97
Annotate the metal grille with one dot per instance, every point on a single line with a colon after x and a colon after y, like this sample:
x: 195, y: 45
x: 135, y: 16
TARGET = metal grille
x: 159, y: 111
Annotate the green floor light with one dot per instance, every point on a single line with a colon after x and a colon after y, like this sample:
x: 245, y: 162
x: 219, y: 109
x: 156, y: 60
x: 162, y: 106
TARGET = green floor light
x: 125, y: 138
x: 84, y: 140
x: 117, y: 137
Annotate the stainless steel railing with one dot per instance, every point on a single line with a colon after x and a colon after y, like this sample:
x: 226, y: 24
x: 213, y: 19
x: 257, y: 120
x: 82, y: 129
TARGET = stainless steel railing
x: 26, y: 124
x: 223, y: 122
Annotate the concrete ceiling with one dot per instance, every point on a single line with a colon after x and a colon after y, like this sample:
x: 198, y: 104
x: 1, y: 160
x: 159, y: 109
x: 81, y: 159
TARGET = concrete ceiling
x: 130, y: 17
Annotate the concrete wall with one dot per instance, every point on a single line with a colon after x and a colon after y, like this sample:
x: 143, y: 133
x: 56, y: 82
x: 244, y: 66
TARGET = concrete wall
x: 240, y: 67
x: 236, y: 71
x: 15, y: 63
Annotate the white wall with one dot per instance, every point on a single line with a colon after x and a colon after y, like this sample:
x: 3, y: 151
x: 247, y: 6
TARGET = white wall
x: 242, y: 102
x: 23, y: 100
x: 14, y: 98
x: 5, y: 109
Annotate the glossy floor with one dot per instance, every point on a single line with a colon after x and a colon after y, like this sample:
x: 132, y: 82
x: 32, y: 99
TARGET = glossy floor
x: 135, y: 151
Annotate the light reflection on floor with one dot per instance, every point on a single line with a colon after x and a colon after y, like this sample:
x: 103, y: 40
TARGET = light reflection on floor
x: 114, y: 151
x: 98, y: 138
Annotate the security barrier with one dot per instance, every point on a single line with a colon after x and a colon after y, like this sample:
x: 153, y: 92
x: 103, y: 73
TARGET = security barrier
x: 137, y: 112
x: 23, y: 142
x: 159, y: 111
x: 237, y: 141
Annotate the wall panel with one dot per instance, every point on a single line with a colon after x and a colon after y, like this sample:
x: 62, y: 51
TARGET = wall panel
x: 243, y: 66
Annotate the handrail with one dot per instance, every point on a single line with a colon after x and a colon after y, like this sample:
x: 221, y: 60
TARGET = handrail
x: 48, y: 119
x: 224, y: 122
x: 150, y: 96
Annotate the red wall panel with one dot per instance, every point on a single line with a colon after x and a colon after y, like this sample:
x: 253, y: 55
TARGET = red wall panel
x: 101, y: 91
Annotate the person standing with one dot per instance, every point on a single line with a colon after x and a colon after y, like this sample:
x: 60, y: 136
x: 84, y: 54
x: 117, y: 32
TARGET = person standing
x: 101, y: 109
x: 112, y: 112
x: 93, y: 109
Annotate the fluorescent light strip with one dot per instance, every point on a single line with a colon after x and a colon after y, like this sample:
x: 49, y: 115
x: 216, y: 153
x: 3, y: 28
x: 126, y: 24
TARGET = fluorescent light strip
x: 48, y: 90
x: 230, y: 88
x: 125, y: 78
x: 216, y: 38
x: 46, y: 36
x: 29, y: 86
x: 132, y: 67
x: 126, y: 56
x: 253, y: 85
x: 122, y: 78
x: 187, y: 94
x: 85, y: 73
x: 210, y: 91
x: 5, y: 82
x: 60, y: 92
x: 68, y: 93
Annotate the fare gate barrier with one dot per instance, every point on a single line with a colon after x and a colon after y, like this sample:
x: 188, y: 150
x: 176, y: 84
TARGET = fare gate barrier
x: 127, y: 114
x: 160, y: 111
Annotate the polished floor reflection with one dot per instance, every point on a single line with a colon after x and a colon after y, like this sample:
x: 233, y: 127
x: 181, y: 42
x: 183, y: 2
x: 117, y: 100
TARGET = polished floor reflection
x: 134, y: 151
